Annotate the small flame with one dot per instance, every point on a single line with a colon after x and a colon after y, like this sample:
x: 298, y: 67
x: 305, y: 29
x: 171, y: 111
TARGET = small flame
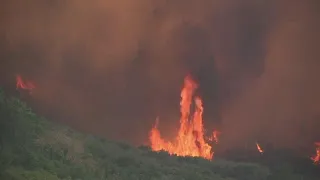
x: 259, y: 148
x: 27, y: 85
x: 215, y: 137
x: 316, y: 157
x: 190, y: 140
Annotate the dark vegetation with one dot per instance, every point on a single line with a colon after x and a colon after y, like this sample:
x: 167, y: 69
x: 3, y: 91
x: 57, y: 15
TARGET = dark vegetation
x: 32, y: 148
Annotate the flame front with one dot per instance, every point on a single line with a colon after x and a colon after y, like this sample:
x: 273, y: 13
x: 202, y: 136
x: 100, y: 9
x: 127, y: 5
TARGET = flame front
x: 316, y: 158
x: 190, y: 139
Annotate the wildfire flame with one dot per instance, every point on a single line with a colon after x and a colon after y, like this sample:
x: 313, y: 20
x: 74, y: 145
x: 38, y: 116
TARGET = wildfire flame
x: 27, y: 85
x: 316, y: 158
x: 190, y: 140
x: 215, y: 137
x: 259, y: 148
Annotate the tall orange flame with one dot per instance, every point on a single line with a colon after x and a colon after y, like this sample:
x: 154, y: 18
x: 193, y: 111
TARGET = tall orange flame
x: 190, y: 139
x: 316, y: 158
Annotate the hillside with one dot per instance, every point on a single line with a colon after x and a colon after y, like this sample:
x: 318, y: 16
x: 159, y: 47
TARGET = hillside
x: 32, y: 148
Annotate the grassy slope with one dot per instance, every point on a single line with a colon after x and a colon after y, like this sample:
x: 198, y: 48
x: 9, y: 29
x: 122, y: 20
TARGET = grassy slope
x: 32, y: 148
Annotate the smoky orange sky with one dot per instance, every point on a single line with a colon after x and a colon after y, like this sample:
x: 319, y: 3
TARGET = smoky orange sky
x: 111, y: 67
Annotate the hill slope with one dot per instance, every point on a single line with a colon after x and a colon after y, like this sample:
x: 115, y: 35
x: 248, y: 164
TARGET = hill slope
x: 32, y: 148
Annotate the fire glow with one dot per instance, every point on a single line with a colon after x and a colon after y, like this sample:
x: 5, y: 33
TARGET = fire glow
x: 316, y: 158
x: 259, y: 148
x: 214, y: 137
x: 26, y: 85
x: 190, y: 140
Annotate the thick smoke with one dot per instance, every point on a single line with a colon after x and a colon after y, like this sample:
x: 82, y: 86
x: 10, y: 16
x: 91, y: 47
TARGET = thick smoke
x: 282, y: 106
x: 111, y: 67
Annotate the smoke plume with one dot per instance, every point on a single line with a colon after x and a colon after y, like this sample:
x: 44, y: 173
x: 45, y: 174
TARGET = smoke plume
x: 112, y: 67
x: 282, y: 106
